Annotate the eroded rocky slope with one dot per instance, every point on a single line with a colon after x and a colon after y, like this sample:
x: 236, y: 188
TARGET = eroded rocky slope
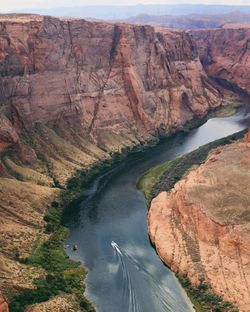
x: 3, y: 304
x: 71, y: 93
x: 97, y: 77
x: 201, y: 228
x: 225, y: 54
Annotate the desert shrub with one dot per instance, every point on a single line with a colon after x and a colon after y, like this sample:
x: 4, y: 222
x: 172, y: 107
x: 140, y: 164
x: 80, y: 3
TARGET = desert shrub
x: 63, y: 275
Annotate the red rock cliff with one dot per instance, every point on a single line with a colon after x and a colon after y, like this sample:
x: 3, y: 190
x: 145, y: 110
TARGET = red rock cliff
x: 201, y: 228
x: 72, y: 92
x: 97, y: 76
x: 225, y: 53
x: 3, y: 304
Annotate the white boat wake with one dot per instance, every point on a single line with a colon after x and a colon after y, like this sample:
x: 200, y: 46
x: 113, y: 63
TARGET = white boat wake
x: 116, y: 247
x: 135, y: 278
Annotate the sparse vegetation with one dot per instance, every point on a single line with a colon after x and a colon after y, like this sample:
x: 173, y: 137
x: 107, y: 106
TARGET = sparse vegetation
x: 228, y: 108
x: 27, y: 174
x: 204, y: 299
x: 62, y: 274
x: 163, y: 177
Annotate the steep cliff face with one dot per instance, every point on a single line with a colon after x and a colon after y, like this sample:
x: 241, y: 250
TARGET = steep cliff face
x: 201, y: 228
x: 71, y: 93
x: 225, y: 53
x: 98, y: 77
x: 3, y: 304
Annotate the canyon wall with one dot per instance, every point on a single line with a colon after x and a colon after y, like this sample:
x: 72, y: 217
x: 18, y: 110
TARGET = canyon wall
x: 98, y: 77
x: 3, y: 304
x: 71, y: 93
x: 201, y: 228
x: 225, y: 54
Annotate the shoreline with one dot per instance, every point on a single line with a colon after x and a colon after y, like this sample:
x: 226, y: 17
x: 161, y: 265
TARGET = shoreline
x: 54, y: 235
x: 55, y: 225
x: 169, y: 173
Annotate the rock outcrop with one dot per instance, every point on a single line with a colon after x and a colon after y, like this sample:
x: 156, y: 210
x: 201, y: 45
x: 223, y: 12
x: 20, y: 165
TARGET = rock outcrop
x: 225, y: 54
x: 98, y: 77
x: 71, y: 93
x: 201, y: 228
x: 59, y: 303
x: 3, y: 304
x: 248, y: 136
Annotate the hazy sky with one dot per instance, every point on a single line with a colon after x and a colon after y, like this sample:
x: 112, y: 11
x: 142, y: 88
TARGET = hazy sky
x: 20, y: 4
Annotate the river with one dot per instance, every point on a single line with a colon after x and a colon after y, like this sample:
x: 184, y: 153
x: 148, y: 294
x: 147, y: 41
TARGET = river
x: 110, y: 228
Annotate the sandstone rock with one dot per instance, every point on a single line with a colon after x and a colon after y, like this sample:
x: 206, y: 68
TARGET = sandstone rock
x: 59, y: 303
x: 3, y: 170
x: 201, y: 228
x: 73, y: 91
x: 248, y: 136
x: 99, y: 76
x: 225, y: 54
x: 3, y: 304
x: 26, y: 154
x: 8, y: 134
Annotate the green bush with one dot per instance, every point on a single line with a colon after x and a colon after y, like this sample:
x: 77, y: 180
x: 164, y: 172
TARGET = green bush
x: 63, y: 275
x: 55, y: 204
x: 179, y: 166
x: 204, y: 299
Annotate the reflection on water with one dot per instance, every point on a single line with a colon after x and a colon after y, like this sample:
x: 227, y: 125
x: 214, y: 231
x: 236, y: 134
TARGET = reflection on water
x: 128, y: 275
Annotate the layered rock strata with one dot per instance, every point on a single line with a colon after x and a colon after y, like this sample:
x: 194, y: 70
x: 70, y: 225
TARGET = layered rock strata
x: 201, y: 228
x: 225, y: 54
x: 3, y: 304
x: 71, y: 93
x: 98, y: 77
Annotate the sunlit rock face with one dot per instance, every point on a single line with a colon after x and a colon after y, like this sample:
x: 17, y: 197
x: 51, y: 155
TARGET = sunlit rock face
x: 3, y: 304
x: 201, y: 228
x: 225, y: 53
x: 72, y: 92
x: 96, y: 76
